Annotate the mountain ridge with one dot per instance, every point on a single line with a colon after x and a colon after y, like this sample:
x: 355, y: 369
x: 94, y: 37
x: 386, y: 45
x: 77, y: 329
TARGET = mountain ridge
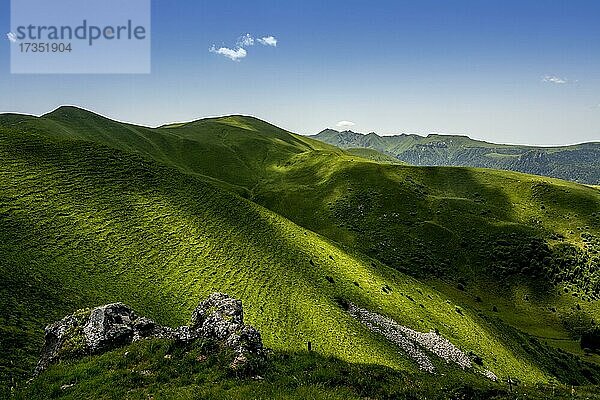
x: 578, y: 163
x: 449, y: 135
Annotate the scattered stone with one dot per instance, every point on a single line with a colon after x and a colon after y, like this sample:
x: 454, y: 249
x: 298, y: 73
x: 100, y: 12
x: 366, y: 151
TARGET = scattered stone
x: 65, y: 387
x: 475, y: 358
x: 379, y: 324
x: 412, y: 342
x: 490, y: 375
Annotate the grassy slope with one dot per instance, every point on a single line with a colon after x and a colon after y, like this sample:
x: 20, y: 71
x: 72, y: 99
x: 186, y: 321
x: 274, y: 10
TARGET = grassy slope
x: 448, y: 217
x: 232, y: 149
x: 83, y: 224
x: 443, y: 208
x: 374, y: 155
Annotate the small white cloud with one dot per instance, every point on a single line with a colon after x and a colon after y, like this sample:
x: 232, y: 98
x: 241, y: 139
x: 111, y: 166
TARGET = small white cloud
x: 239, y: 51
x: 268, y: 41
x: 12, y: 37
x: 345, y: 124
x: 245, y: 41
x: 233, y: 54
x: 554, y: 79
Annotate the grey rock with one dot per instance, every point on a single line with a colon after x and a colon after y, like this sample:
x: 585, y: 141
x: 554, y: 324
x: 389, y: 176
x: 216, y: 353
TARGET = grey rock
x: 217, y: 307
x: 108, y: 327
x: 56, y: 343
x: 219, y: 318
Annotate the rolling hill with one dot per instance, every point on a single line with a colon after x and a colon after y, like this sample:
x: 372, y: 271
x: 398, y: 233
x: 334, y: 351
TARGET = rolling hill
x: 502, y: 264
x: 577, y: 163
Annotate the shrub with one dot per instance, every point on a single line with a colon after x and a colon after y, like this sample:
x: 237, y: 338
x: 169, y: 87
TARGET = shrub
x: 591, y: 340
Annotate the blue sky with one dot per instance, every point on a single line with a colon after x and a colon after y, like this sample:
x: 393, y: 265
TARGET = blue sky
x: 505, y: 71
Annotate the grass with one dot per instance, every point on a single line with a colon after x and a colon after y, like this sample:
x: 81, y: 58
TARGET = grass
x: 93, y: 211
x: 448, y: 220
x: 162, y: 370
x: 374, y: 155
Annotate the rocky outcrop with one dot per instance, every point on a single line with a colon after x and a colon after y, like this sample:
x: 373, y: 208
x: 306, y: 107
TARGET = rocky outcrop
x: 219, y: 318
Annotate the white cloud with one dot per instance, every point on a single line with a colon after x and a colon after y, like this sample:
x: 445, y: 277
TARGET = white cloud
x: 12, y: 37
x: 268, y: 41
x: 554, y: 79
x: 239, y: 51
x: 345, y: 124
x: 233, y: 54
x: 245, y: 41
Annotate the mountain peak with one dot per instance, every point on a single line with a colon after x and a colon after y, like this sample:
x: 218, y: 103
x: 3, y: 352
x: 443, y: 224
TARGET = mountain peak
x: 329, y: 131
x: 70, y: 112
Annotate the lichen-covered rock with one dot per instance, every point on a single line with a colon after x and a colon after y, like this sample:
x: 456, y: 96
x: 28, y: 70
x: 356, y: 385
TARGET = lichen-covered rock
x: 64, y: 339
x: 217, y: 311
x: 108, y: 327
x: 220, y: 318
x: 144, y: 328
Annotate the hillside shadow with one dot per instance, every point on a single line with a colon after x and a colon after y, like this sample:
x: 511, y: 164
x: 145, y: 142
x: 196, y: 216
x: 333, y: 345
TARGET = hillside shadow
x: 459, y: 218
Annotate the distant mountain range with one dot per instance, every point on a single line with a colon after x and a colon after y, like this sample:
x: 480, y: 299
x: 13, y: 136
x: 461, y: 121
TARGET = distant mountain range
x: 579, y: 163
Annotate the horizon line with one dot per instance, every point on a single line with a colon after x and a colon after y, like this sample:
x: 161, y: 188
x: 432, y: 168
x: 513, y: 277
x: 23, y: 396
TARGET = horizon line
x: 422, y: 135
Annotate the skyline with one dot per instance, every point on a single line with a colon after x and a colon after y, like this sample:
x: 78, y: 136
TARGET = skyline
x: 514, y: 72
x: 336, y: 128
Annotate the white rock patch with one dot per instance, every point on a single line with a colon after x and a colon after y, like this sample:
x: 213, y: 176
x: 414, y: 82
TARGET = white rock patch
x: 490, y: 375
x: 413, y: 343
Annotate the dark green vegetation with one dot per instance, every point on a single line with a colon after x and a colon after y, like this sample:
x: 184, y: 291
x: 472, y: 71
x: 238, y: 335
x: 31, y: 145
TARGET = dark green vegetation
x: 93, y: 211
x: 578, y: 163
x: 162, y: 370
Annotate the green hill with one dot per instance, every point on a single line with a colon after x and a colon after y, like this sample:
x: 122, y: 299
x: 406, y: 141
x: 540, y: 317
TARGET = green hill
x: 578, y: 163
x: 374, y: 155
x: 94, y: 211
x: 234, y: 149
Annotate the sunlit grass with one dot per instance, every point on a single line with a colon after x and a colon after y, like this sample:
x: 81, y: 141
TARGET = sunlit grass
x: 92, y: 211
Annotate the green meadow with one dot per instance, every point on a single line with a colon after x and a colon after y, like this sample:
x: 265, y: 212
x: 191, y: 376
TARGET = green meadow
x: 93, y: 211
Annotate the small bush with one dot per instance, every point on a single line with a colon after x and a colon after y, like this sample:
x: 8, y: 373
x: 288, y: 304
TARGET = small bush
x: 591, y: 340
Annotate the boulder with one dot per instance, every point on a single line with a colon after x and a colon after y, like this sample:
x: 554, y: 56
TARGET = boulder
x: 219, y: 318
x: 108, y: 327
